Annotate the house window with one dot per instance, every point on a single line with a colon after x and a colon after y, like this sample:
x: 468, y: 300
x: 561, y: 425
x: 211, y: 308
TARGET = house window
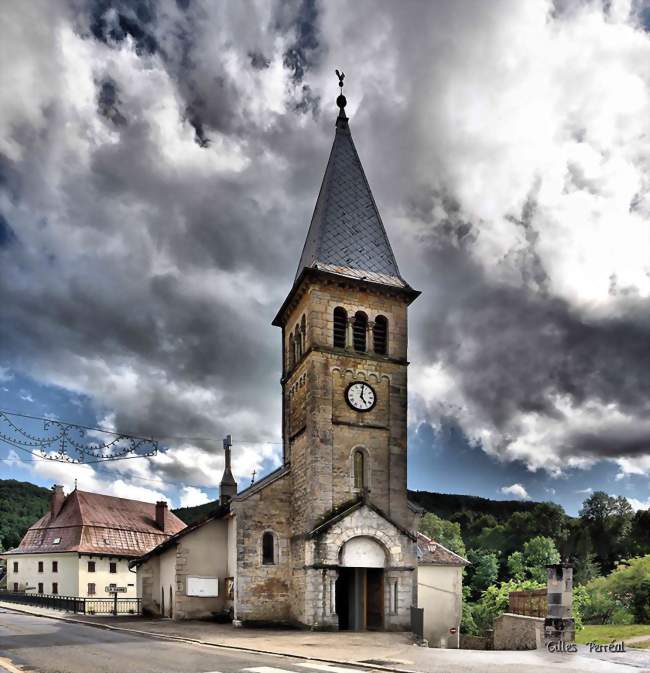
x: 359, y: 469
x: 340, y: 327
x: 15, y: 566
x: 91, y: 589
x: 359, y: 329
x: 55, y: 566
x: 268, y: 548
x: 112, y: 567
x: 15, y: 586
x: 91, y: 566
x: 380, y: 335
x: 55, y: 587
x: 40, y: 566
x: 40, y: 587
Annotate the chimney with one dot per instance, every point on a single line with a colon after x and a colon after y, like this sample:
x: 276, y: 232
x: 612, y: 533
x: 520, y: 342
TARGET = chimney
x: 58, y: 498
x: 161, y: 515
x: 228, y: 485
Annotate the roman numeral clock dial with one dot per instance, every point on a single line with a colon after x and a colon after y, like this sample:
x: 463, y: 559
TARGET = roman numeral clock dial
x: 360, y: 396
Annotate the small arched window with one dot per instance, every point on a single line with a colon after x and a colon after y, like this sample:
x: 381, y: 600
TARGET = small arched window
x: 380, y: 335
x: 359, y: 329
x: 292, y: 353
x: 359, y: 469
x: 303, y: 333
x: 268, y: 548
x: 298, y: 344
x: 340, y: 327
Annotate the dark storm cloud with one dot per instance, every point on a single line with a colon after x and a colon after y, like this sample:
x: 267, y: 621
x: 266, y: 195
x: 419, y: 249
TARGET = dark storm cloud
x: 161, y: 210
x: 513, y: 349
x: 7, y: 234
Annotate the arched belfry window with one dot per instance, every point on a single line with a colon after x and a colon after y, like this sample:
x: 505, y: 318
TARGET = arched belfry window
x: 340, y: 327
x: 292, y: 353
x: 359, y: 330
x: 303, y: 333
x: 380, y: 335
x: 298, y: 344
x: 268, y: 548
x: 359, y: 469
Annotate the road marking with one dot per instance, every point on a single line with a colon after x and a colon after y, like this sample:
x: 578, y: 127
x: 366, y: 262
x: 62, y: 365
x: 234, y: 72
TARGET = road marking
x: 267, y: 669
x: 331, y: 669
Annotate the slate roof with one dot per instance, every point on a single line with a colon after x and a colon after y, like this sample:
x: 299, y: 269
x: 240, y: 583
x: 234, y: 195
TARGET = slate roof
x: 98, y: 524
x: 431, y: 552
x: 346, y: 235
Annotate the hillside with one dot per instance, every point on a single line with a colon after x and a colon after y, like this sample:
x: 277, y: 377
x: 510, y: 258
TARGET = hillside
x: 21, y: 504
x: 196, y: 513
x: 442, y: 504
x: 446, y: 504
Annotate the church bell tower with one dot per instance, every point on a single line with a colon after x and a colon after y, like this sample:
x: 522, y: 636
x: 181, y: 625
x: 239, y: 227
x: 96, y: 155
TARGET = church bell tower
x: 344, y: 337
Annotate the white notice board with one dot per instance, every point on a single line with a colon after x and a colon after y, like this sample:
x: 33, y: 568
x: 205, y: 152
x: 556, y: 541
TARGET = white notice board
x: 202, y: 586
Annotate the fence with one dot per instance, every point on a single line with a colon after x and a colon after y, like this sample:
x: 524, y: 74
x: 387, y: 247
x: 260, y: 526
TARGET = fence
x: 530, y: 603
x: 84, y: 606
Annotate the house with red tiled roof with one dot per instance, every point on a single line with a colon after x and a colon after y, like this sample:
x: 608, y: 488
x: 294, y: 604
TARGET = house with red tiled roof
x: 85, y: 542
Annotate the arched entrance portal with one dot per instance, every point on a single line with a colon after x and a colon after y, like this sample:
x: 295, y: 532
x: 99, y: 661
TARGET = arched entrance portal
x: 360, y: 585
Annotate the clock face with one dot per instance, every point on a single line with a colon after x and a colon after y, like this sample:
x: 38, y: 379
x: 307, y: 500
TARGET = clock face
x: 360, y: 396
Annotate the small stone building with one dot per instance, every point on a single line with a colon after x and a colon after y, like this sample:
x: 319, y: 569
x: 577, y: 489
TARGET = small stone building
x: 440, y: 592
x: 328, y: 540
x: 84, y: 544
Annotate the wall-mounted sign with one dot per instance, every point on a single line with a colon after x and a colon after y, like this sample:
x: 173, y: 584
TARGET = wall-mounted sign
x: 202, y: 586
x: 453, y: 630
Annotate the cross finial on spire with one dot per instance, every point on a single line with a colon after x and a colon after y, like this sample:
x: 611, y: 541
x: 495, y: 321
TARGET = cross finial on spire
x: 342, y: 120
x: 253, y: 477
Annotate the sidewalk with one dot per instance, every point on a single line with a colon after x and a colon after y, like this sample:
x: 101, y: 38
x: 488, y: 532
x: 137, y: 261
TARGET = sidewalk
x: 375, y: 650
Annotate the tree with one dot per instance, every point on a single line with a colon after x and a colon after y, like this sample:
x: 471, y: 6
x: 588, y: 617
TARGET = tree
x: 445, y: 532
x: 485, y: 566
x: 609, y: 521
x: 539, y: 552
x: 516, y: 567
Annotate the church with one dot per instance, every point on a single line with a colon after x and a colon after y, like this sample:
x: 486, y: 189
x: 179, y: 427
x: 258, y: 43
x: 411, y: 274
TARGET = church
x: 328, y: 540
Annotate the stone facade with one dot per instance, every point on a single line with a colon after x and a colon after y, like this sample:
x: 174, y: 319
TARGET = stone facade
x: 321, y: 433
x: 518, y: 632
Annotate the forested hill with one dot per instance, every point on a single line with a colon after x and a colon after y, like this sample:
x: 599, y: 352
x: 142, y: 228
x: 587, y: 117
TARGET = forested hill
x: 445, y: 505
x: 21, y: 504
x: 442, y: 504
x: 192, y: 514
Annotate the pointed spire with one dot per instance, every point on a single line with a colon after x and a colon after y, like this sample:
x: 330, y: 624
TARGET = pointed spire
x: 228, y: 486
x: 346, y: 235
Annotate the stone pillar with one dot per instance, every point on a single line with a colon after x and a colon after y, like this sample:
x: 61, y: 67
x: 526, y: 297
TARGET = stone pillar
x: 559, y: 625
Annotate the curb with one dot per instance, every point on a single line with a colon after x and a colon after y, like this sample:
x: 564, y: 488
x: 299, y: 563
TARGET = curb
x: 196, y: 641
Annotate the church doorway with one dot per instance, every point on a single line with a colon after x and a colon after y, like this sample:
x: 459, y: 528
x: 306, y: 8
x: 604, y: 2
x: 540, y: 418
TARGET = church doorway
x: 360, y: 585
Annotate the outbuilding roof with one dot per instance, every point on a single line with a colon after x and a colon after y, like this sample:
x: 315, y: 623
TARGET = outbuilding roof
x: 98, y: 524
x: 431, y: 552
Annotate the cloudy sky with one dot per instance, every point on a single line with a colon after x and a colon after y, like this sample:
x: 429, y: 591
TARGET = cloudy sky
x: 159, y: 162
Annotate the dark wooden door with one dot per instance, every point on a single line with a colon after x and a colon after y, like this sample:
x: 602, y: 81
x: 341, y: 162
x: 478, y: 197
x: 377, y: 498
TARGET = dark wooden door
x: 375, y: 598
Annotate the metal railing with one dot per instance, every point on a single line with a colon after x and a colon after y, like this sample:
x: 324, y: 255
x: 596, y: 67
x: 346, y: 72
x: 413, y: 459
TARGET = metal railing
x: 76, y: 604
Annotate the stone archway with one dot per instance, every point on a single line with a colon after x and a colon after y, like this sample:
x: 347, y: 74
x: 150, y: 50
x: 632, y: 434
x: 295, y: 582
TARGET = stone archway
x: 360, y: 584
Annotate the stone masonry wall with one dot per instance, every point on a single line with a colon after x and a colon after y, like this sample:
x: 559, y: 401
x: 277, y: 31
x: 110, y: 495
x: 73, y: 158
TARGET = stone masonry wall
x: 263, y: 591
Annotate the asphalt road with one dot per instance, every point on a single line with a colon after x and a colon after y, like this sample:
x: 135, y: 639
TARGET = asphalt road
x: 52, y: 646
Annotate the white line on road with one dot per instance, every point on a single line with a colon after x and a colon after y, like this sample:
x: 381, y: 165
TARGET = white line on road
x: 331, y: 669
x: 267, y: 669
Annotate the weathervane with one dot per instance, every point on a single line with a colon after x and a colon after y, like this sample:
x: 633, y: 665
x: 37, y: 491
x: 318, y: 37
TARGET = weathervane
x: 341, y: 101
